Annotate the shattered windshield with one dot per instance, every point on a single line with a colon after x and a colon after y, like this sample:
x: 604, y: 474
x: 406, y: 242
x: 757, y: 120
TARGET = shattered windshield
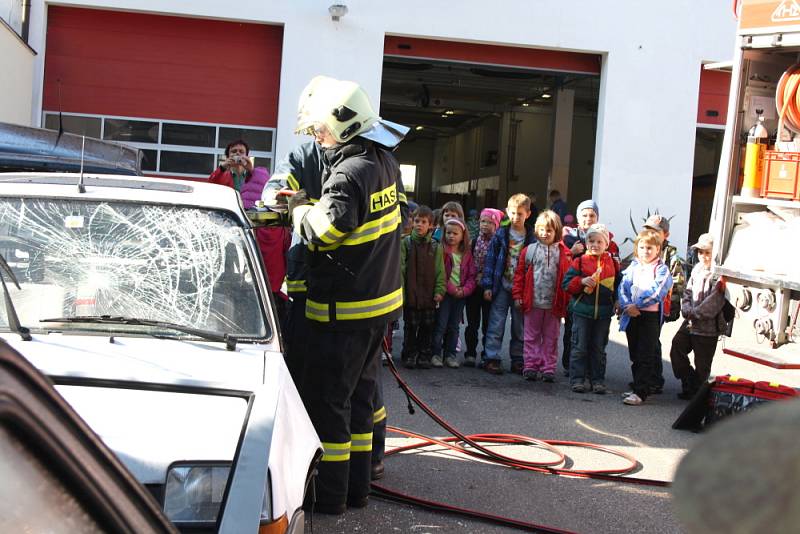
x: 176, y: 264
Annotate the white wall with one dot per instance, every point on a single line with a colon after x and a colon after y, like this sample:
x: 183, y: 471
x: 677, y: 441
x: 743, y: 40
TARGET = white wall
x: 16, y: 78
x: 650, y: 76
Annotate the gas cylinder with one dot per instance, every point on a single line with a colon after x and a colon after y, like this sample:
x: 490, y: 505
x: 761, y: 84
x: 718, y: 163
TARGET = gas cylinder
x: 757, y: 139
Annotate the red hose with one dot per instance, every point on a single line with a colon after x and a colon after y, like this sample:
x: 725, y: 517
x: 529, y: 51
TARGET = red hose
x: 473, y: 447
x: 787, y: 98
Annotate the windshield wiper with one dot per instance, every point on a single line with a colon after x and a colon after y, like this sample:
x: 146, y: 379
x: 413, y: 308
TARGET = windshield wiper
x: 11, y: 312
x: 229, y: 340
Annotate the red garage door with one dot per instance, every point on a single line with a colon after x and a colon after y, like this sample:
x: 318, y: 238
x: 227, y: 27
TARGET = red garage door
x: 554, y: 60
x: 177, y: 87
x: 715, y: 87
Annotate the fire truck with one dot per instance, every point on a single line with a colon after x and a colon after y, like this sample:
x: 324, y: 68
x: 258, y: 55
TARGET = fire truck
x: 756, y: 213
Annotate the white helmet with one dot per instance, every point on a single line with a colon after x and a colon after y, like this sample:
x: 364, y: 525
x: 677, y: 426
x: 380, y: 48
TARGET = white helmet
x: 342, y: 106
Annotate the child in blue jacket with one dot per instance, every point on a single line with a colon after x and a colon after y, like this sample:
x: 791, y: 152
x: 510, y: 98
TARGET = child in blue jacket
x: 645, y: 284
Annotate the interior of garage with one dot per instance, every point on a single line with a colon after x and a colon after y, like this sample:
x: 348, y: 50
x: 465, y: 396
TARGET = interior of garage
x: 481, y: 132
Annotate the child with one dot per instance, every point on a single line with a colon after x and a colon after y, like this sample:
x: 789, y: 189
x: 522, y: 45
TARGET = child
x: 645, y: 284
x: 450, y: 210
x: 591, y: 280
x: 575, y: 240
x: 459, y: 274
x: 497, y: 280
x: 702, y: 303
x: 537, y: 291
x: 669, y: 255
x: 477, y: 307
x: 422, y: 271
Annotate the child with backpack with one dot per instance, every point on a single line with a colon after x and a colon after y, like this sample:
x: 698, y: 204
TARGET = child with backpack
x: 645, y: 285
x: 538, y: 293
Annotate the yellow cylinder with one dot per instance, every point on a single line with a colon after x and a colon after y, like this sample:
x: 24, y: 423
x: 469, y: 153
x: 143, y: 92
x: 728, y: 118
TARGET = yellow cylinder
x: 753, y: 167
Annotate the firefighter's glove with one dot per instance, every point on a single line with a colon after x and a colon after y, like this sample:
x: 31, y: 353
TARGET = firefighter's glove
x: 299, y: 204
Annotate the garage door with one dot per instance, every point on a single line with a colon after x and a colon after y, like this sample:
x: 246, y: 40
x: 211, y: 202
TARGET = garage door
x: 179, y: 88
x: 509, y: 56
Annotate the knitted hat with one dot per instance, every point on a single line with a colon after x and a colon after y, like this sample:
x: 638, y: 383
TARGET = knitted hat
x: 494, y: 214
x: 657, y: 222
x: 704, y: 242
x: 599, y: 229
x: 591, y: 204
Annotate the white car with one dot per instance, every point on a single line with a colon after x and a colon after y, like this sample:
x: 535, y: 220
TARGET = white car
x: 145, y: 301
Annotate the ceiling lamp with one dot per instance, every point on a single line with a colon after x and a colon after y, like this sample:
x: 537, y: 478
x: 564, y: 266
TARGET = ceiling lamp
x: 337, y: 11
x: 449, y: 112
x: 419, y: 128
x: 546, y: 95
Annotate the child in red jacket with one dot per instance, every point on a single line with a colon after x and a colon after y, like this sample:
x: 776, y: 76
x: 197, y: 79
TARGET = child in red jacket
x: 538, y: 293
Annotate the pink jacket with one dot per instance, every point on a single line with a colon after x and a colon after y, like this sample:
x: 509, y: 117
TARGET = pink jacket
x: 467, y: 276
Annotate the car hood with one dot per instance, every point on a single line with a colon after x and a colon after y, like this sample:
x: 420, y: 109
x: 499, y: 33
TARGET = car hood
x: 163, y: 361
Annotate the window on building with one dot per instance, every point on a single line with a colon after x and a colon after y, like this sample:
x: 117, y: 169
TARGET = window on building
x: 409, y: 177
x: 174, y: 148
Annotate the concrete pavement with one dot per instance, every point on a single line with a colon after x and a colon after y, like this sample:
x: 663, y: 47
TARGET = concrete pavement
x: 476, y: 402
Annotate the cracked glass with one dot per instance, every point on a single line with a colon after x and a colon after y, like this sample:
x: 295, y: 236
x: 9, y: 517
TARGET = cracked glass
x: 177, y: 264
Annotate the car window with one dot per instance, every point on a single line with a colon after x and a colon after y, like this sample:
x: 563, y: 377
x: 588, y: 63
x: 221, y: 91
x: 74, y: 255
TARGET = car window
x: 176, y: 264
x: 32, y: 499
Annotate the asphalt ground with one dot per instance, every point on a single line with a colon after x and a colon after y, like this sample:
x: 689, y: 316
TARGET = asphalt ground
x: 477, y: 402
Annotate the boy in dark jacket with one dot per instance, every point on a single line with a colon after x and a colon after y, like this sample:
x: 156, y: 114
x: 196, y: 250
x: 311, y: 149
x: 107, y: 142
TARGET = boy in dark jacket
x: 701, y: 306
x: 497, y: 281
x: 422, y: 271
x: 591, y: 280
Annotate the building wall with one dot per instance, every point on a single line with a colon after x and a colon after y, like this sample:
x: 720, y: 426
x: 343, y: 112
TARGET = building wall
x: 649, y: 81
x: 16, y: 78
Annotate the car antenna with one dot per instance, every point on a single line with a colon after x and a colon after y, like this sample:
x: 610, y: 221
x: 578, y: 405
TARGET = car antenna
x: 81, y: 188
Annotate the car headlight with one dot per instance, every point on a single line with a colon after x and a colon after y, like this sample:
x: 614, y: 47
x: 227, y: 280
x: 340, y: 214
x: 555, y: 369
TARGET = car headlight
x: 194, y: 492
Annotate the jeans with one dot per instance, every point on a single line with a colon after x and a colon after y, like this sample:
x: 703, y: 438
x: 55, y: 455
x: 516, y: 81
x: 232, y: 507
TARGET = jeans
x: 478, y: 310
x: 501, y: 302
x: 589, y: 340
x: 541, y: 340
x: 642, y: 333
x: 448, y: 322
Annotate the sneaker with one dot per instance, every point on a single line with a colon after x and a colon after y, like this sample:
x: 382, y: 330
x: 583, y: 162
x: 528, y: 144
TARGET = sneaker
x: 451, y: 362
x: 469, y: 361
x: 548, y: 377
x: 626, y: 394
x: 578, y: 387
x: 530, y: 374
x: 493, y: 367
x: 423, y: 362
x: 436, y: 361
x: 516, y: 367
x: 633, y: 400
x: 599, y: 388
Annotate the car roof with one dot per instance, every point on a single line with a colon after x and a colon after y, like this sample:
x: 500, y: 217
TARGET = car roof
x: 121, y: 188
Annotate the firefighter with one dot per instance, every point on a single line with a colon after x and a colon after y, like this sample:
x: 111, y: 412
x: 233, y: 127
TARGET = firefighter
x: 302, y: 169
x: 353, y: 282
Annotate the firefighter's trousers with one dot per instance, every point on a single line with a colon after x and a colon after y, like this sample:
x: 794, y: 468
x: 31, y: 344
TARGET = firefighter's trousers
x: 339, y: 383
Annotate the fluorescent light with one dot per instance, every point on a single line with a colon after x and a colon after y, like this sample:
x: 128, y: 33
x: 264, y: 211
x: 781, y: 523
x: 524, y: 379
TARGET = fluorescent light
x: 525, y: 104
x: 418, y: 128
x: 546, y: 95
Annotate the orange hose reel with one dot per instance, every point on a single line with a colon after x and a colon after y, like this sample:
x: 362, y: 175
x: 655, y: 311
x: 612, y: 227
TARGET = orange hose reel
x: 787, y: 99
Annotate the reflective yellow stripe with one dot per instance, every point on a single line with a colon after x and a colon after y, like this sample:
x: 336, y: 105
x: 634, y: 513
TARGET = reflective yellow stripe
x: 361, y: 442
x: 370, y: 231
x: 336, y: 452
x: 402, y: 197
x: 361, y: 309
x: 317, y: 311
x: 369, y: 308
x: 379, y: 415
x: 322, y: 227
x: 296, y: 286
x: 293, y: 183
